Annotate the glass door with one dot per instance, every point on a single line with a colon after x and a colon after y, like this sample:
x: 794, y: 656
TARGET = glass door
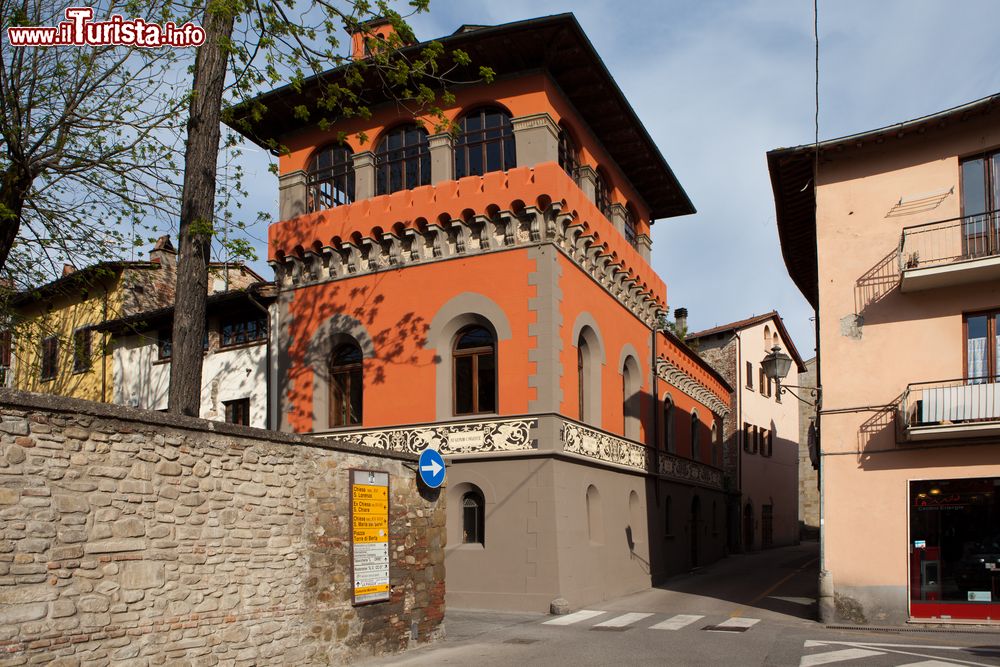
x: 980, y: 200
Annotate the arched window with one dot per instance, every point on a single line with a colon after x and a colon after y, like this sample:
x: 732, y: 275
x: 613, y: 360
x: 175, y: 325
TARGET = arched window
x: 485, y: 143
x: 331, y: 177
x: 767, y: 338
x: 630, y: 397
x: 602, y: 196
x: 595, y: 516
x: 569, y: 158
x: 716, y: 446
x: 346, y: 385
x: 630, y: 233
x: 695, y: 436
x: 668, y: 424
x: 473, y: 518
x: 402, y: 160
x: 474, y: 363
x: 582, y: 355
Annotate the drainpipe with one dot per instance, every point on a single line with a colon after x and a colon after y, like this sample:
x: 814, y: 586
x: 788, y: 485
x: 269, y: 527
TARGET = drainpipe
x: 825, y: 598
x: 738, y: 427
x: 267, y: 359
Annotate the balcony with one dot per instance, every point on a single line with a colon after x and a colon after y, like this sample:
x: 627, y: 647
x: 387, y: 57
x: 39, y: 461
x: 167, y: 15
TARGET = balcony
x: 950, y: 252
x: 951, y: 410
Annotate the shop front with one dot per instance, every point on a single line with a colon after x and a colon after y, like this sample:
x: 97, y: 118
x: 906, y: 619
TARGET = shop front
x: 954, y: 549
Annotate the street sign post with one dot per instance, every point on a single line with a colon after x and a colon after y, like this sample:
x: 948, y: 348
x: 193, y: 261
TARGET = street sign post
x: 370, y: 536
x: 431, y: 468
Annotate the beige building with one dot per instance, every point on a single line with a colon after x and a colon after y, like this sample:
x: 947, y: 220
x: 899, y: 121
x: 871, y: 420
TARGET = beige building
x: 761, y: 432
x: 898, y: 248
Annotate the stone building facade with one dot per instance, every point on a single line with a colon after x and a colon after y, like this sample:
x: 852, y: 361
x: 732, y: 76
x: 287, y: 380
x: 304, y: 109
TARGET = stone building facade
x: 133, y: 538
x: 808, y: 460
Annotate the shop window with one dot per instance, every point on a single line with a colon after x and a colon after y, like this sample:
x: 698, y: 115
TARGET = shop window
x: 954, y: 548
x: 474, y: 364
x: 346, y: 386
x: 473, y: 518
x: 330, y: 178
x: 81, y: 350
x: 50, y: 358
x: 402, y: 160
x: 243, y: 331
x: 485, y: 143
x: 238, y: 411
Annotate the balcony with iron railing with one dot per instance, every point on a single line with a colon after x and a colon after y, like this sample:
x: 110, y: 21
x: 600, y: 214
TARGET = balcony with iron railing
x: 950, y: 252
x: 951, y: 409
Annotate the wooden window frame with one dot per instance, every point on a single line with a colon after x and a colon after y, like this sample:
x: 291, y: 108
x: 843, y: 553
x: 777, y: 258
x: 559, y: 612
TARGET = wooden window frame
x: 991, y: 342
x: 344, y: 413
x: 338, y: 177
x: 236, y: 408
x: 82, y: 348
x: 569, y: 154
x: 241, y: 333
x: 475, y: 353
x: 49, y: 367
x: 602, y: 194
x: 418, y: 154
x: 469, y: 142
x: 749, y: 375
x: 992, y: 213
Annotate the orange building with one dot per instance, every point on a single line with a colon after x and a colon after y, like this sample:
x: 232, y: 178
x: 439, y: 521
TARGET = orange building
x: 489, y: 293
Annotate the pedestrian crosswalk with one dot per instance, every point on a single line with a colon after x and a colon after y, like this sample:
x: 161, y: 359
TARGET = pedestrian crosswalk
x: 834, y: 652
x: 608, y: 620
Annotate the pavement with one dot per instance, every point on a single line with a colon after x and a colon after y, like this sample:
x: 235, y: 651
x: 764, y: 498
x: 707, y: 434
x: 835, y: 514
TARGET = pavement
x: 745, y: 610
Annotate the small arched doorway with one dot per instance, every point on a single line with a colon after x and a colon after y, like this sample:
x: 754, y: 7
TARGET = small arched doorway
x: 695, y: 528
x: 748, y: 527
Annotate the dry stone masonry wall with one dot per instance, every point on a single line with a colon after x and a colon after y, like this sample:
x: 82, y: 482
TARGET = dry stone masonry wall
x: 133, y: 538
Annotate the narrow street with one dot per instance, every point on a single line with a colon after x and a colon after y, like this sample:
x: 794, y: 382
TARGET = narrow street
x: 746, y: 610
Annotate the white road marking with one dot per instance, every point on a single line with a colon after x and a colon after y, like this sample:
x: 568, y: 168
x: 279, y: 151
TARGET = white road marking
x: 836, y: 656
x: 931, y: 663
x: 622, y: 621
x: 894, y: 648
x: 677, y: 622
x: 582, y: 615
x: 739, y: 622
x: 805, y: 602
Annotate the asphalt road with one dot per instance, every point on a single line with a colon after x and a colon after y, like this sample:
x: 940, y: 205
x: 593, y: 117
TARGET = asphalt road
x: 746, y: 610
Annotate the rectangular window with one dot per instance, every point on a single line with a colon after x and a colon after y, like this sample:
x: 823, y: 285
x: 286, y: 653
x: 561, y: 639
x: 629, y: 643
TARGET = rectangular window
x: 50, y: 357
x: 243, y: 331
x: 81, y: 350
x: 749, y: 438
x: 238, y: 411
x: 980, y: 201
x: 750, y: 375
x: 981, y: 347
x: 762, y: 381
x: 165, y: 344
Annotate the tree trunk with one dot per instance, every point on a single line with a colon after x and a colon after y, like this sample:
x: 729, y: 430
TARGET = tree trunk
x: 197, y: 210
x: 14, y: 186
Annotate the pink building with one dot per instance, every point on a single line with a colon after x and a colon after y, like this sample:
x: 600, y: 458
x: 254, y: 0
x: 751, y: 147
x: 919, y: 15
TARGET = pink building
x: 898, y: 248
x: 760, y: 433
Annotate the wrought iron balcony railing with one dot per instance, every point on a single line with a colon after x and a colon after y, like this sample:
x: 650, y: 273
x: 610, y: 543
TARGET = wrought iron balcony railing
x: 951, y: 403
x: 950, y: 241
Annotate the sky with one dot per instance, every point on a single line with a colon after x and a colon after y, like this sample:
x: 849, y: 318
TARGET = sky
x: 719, y: 83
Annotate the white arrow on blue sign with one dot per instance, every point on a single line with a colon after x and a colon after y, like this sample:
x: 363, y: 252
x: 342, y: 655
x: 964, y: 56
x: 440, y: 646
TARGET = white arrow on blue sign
x: 431, y: 468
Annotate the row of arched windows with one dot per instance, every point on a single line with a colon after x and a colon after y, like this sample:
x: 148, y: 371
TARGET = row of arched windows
x: 474, y: 377
x: 696, y: 433
x: 485, y: 143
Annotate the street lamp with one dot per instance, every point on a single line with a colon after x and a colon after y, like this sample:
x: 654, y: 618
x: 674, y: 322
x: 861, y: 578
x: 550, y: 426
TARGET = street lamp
x: 776, y: 365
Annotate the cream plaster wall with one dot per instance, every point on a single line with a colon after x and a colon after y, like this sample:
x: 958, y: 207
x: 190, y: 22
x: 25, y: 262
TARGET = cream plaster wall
x: 904, y: 338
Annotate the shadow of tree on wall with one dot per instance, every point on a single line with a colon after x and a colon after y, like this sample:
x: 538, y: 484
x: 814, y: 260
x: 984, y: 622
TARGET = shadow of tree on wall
x: 397, y: 344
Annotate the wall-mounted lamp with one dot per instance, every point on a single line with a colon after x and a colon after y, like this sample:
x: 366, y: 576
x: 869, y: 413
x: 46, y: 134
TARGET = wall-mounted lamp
x: 776, y: 365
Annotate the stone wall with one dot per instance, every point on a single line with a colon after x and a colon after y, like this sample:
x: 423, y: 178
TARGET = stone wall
x: 808, y: 475
x: 130, y: 537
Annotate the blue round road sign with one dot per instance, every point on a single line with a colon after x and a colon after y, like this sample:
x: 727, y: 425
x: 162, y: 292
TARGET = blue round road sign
x: 431, y: 468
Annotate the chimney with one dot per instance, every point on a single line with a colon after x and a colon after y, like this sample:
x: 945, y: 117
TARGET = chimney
x: 68, y: 269
x: 681, y: 319
x: 163, y: 252
x: 377, y: 28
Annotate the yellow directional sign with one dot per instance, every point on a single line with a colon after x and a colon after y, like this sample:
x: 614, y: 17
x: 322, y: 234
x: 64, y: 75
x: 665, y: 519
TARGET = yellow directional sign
x: 370, y: 534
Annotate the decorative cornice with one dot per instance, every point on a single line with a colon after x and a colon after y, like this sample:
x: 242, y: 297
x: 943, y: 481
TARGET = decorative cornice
x: 674, y: 375
x: 478, y: 234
